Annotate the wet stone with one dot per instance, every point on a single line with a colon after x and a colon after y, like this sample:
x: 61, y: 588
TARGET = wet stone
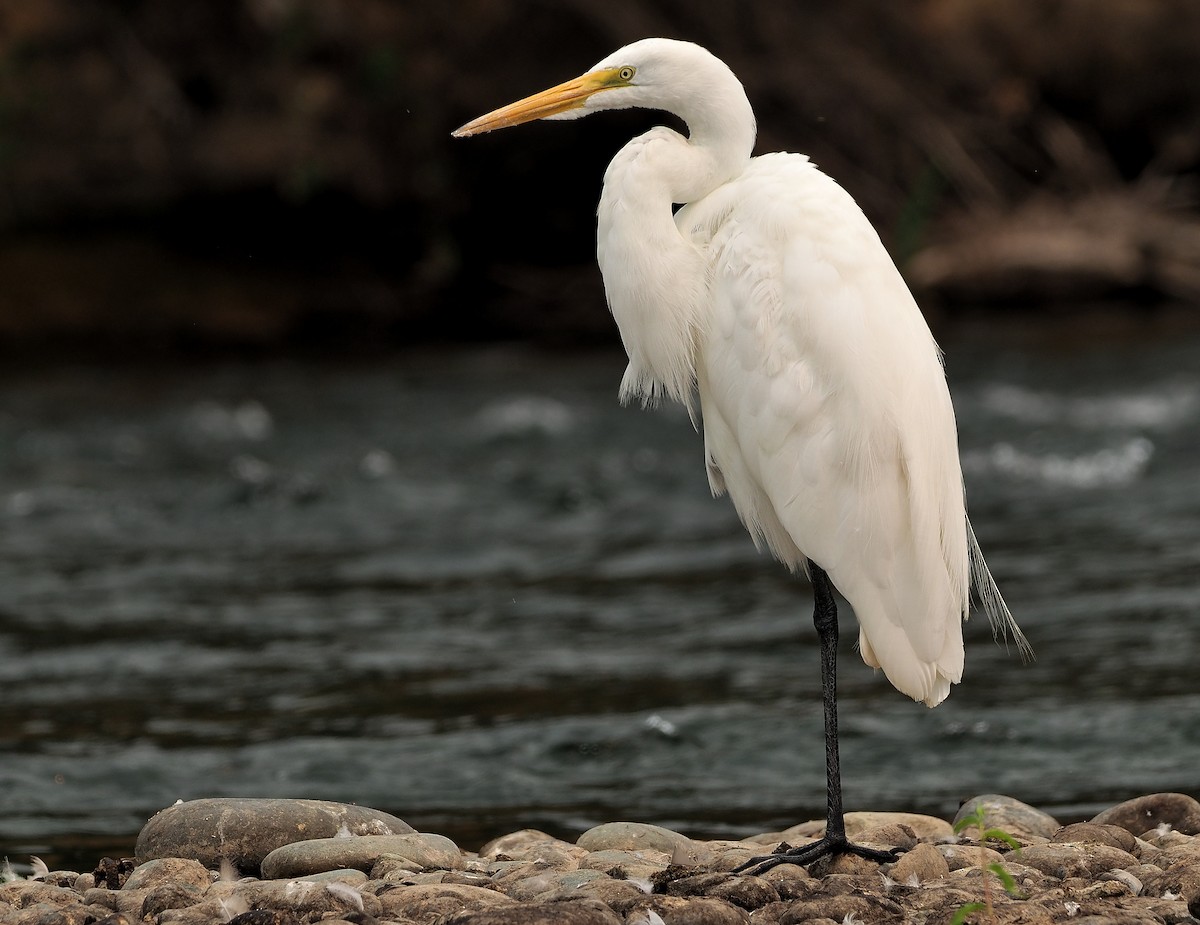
x: 362, y: 853
x: 924, y: 862
x: 1080, y: 833
x: 566, y: 912
x: 1064, y: 861
x: 531, y: 844
x: 689, y: 910
x: 166, y: 896
x: 611, y: 857
x: 924, y: 828
x: 632, y: 836
x: 168, y: 870
x: 1020, y: 820
x: 430, y: 902
x: 961, y: 856
x: 1080, y: 872
x: 1141, y: 814
x: 244, y: 831
x: 888, y: 835
x: 305, y: 898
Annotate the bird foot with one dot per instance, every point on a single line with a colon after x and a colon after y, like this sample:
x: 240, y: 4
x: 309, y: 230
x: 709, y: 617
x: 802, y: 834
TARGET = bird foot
x: 806, y: 854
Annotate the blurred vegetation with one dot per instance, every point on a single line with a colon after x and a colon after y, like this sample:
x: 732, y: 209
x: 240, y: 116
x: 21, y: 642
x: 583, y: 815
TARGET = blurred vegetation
x: 265, y: 171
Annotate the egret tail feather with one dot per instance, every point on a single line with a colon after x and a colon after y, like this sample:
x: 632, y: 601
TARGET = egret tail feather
x: 998, y: 614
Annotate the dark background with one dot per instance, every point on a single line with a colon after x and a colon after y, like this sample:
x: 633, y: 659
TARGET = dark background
x: 279, y: 174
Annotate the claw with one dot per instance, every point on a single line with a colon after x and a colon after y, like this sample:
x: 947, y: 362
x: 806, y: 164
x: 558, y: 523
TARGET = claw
x: 806, y: 854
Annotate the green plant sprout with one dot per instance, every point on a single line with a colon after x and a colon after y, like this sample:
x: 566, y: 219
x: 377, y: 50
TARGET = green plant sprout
x: 977, y: 819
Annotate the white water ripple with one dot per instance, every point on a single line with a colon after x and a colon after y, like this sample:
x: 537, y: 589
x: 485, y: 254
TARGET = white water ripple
x: 1158, y: 409
x: 1109, y: 466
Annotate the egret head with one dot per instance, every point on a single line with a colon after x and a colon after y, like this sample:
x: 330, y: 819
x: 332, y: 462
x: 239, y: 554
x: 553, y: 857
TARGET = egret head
x: 652, y: 73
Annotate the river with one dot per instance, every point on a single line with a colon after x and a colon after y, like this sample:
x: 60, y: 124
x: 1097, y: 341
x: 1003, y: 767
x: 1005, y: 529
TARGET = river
x: 467, y: 587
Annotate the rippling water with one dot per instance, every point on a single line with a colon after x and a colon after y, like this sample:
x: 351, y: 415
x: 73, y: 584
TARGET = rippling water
x: 470, y: 589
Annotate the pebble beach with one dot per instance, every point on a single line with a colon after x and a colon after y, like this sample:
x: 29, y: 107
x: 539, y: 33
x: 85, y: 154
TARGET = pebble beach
x: 286, y: 862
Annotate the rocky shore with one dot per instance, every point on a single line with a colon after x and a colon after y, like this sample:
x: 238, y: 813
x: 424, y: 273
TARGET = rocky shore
x: 285, y: 862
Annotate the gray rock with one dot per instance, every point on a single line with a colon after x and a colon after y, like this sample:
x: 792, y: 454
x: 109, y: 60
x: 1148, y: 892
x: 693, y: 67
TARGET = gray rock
x: 685, y: 910
x: 166, y: 896
x: 926, y: 828
x: 609, y: 858
x: 924, y: 862
x: 1093, y: 833
x: 888, y: 835
x: 1141, y: 814
x: 308, y: 900
x: 1020, y: 820
x: 322, y: 854
x: 571, y: 880
x: 632, y: 836
x: 526, y: 844
x: 564, y: 912
x: 961, y: 856
x: 431, y: 902
x: 168, y: 870
x: 25, y: 893
x: 244, y: 831
x: 611, y: 892
x: 745, y: 892
x: 1063, y: 861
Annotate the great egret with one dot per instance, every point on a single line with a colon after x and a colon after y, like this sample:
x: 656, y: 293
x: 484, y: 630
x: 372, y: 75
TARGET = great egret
x: 825, y: 411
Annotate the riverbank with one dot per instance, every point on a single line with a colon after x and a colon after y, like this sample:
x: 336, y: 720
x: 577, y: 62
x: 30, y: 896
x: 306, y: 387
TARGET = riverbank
x: 292, y: 861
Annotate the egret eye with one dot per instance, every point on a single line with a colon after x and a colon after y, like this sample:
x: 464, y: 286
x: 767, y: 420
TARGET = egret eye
x: 627, y: 72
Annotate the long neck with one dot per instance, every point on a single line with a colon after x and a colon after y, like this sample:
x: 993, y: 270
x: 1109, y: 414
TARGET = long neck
x: 655, y: 278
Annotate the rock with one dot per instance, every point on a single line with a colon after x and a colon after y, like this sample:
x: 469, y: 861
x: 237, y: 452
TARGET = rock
x: 1083, y: 833
x: 729, y: 858
x: 1125, y: 877
x: 571, y: 880
x: 432, y: 901
x: 1020, y: 820
x: 52, y: 914
x: 745, y: 892
x: 1063, y: 861
x: 169, y: 870
x: 244, y: 831
x: 1141, y: 814
x: 564, y: 912
x: 26, y: 893
x: 632, y: 836
x: 888, y: 835
x: 612, y: 893
x: 169, y: 896
x: 65, y: 878
x: 265, y: 917
x: 843, y: 908
x: 112, y: 873
x: 845, y: 864
x: 926, y: 828
x: 611, y: 857
x: 924, y: 862
x: 680, y: 910
x: 99, y: 896
x: 801, y: 831
x: 117, y: 918
x: 321, y: 854
x: 307, y: 899
x: 960, y: 856
x: 528, y: 844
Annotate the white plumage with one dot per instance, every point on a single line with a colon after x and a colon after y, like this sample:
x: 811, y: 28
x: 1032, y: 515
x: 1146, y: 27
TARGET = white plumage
x: 769, y: 296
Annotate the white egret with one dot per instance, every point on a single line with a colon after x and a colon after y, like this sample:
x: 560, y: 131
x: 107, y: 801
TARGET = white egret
x: 825, y: 411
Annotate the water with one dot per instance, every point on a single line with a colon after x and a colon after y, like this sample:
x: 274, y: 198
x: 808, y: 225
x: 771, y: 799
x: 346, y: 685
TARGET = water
x: 470, y: 589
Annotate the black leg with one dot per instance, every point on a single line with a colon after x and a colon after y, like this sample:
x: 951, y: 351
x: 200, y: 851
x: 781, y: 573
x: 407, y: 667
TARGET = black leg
x: 834, y: 841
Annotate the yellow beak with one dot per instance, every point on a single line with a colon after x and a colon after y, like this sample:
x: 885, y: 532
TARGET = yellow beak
x: 566, y: 96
